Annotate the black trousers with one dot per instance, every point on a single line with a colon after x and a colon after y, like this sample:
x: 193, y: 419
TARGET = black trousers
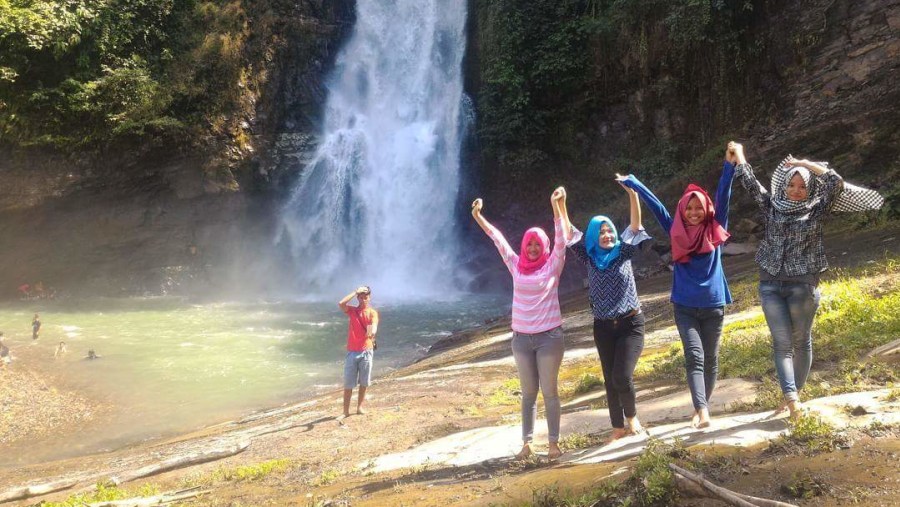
x: 619, y: 343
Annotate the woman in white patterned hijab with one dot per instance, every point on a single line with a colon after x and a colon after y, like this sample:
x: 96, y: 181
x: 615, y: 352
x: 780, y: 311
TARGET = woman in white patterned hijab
x: 791, y: 257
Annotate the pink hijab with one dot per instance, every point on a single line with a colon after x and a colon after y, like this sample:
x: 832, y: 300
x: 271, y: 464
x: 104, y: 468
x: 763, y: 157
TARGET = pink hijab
x: 527, y: 267
x: 688, y: 240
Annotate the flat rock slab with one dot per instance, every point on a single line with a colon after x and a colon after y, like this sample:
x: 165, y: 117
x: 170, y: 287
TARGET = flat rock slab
x: 482, y: 444
x: 741, y: 430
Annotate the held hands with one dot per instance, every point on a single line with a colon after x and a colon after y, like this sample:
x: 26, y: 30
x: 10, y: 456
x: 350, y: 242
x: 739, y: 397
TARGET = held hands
x: 791, y: 162
x: 734, y: 154
x: 558, y: 195
x: 477, y: 204
x: 620, y: 179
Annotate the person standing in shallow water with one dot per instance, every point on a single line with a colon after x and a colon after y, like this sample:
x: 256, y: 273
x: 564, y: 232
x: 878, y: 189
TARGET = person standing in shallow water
x: 618, y: 320
x: 537, y: 343
x: 791, y: 258
x: 360, y: 347
x: 699, y: 288
x: 36, y: 327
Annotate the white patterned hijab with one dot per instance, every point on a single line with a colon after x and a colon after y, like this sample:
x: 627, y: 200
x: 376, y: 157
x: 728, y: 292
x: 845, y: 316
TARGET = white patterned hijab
x: 850, y: 199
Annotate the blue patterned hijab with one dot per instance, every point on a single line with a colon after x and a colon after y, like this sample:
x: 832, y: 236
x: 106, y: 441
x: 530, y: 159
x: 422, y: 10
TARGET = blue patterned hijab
x: 602, y: 257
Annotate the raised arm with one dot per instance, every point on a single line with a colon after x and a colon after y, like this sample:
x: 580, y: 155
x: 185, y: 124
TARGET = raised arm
x: 832, y: 182
x: 653, y: 203
x: 734, y: 154
x: 563, y: 232
x: 635, y: 204
x: 343, y: 303
x: 510, y: 258
x: 561, y: 211
x: 744, y: 173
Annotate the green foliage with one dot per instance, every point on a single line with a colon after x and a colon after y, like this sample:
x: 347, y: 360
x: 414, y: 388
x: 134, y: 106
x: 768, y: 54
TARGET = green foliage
x: 105, y: 494
x: 656, y: 480
x: 810, y: 433
x: 79, y: 73
x: 242, y: 473
x: 579, y: 441
x: 547, y: 65
x: 587, y: 383
x: 552, y: 496
x: 506, y: 394
x: 805, y: 486
x: 327, y: 477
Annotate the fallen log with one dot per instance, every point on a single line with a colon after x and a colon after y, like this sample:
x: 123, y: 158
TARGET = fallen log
x: 726, y: 495
x: 162, y: 499
x: 177, y: 462
x: 23, y: 492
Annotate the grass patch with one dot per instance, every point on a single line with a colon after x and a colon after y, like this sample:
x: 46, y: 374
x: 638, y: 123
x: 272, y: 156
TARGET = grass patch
x: 552, y: 496
x: 327, y: 477
x: 105, y: 494
x: 253, y: 472
x: 893, y: 395
x: 805, y: 486
x: 652, y: 483
x: 508, y: 393
x: 587, y: 383
x: 580, y: 378
x: 579, y: 441
x: 653, y: 480
x: 811, y: 434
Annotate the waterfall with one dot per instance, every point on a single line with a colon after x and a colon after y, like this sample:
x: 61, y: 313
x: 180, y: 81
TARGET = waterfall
x: 376, y: 204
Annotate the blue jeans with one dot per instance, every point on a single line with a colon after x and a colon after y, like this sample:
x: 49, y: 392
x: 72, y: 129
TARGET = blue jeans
x: 790, y: 309
x: 538, y: 357
x: 358, y: 368
x: 700, y: 330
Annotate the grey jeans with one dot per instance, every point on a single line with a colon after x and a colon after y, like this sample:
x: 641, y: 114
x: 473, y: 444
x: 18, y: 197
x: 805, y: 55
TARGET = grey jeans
x: 538, y: 357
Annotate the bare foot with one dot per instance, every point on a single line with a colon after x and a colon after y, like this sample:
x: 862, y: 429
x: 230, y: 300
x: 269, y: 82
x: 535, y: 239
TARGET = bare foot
x: 796, y: 408
x: 633, y: 426
x: 695, y: 421
x: 524, y: 453
x: 703, y: 421
x: 360, y: 410
x: 340, y: 418
x: 554, y: 453
x: 617, y: 433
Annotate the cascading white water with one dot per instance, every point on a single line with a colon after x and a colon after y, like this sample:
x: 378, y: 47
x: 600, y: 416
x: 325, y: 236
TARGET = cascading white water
x: 376, y: 204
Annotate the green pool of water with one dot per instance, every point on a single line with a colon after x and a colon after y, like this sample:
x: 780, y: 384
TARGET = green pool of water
x: 169, y: 366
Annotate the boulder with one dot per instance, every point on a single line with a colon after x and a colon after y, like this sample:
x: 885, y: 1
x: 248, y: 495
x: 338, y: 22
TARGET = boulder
x: 733, y: 248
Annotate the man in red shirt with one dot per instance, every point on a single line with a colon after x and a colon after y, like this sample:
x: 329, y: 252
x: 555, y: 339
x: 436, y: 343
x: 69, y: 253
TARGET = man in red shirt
x: 360, y: 347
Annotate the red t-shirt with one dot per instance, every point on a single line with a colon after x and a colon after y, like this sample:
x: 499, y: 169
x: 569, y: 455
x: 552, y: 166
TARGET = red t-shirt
x: 359, y: 320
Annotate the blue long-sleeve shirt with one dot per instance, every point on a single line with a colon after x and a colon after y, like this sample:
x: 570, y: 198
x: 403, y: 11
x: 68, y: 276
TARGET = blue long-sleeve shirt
x: 700, y: 282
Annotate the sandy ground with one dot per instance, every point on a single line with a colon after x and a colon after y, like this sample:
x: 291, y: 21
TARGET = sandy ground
x: 378, y: 458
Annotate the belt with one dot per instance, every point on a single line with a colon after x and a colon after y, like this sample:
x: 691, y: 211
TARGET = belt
x: 624, y: 316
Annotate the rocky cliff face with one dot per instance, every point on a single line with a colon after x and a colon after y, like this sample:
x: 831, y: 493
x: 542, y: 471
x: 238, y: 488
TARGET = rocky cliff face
x: 147, y: 218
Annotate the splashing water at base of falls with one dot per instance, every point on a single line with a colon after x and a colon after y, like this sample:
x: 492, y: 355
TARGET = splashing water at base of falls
x: 376, y: 204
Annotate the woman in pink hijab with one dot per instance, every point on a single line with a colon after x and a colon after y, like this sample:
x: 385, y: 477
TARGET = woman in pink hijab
x: 537, y: 342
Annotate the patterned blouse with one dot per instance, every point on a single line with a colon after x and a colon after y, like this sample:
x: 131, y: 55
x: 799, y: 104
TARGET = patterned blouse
x: 792, y: 247
x: 612, y: 291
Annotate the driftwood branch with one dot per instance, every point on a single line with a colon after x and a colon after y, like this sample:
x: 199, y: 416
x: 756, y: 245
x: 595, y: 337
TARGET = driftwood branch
x: 163, y: 499
x: 23, y: 492
x: 177, y: 462
x: 726, y: 495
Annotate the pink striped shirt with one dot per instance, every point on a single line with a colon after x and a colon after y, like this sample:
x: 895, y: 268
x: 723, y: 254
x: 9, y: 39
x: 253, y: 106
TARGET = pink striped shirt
x: 535, y: 306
